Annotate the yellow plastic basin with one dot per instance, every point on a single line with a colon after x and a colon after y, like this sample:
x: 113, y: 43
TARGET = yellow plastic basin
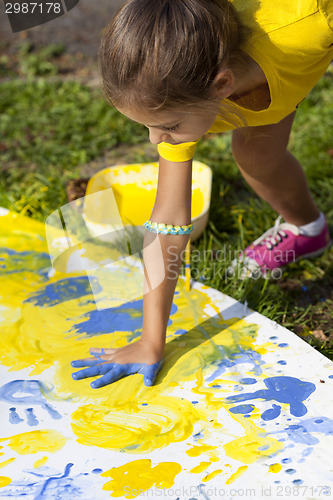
x: 134, y: 188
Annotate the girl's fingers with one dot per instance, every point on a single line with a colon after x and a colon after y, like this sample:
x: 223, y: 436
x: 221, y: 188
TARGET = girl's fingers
x: 97, y: 351
x: 92, y: 371
x: 112, y: 375
x: 79, y: 363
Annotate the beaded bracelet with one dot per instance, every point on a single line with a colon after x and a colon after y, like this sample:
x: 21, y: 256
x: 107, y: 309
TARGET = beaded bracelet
x: 156, y: 227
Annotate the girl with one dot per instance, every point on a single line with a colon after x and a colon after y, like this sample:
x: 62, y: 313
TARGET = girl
x: 187, y: 67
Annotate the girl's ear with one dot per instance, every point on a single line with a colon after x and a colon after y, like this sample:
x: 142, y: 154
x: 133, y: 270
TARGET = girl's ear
x: 224, y: 83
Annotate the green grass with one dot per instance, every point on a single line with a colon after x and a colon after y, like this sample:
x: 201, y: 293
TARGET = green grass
x: 48, y: 129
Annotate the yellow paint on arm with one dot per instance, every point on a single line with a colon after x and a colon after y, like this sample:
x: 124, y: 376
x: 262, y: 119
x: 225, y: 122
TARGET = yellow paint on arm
x: 237, y: 474
x: 35, y: 441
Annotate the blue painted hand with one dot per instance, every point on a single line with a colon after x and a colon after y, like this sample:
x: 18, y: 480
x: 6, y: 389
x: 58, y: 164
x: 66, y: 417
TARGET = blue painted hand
x: 103, y: 363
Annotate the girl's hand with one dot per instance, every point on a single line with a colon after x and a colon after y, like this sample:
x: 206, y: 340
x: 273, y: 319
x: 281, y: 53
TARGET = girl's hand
x: 114, y: 364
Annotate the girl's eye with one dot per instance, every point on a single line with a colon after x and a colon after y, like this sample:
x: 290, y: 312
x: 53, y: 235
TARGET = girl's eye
x: 171, y: 129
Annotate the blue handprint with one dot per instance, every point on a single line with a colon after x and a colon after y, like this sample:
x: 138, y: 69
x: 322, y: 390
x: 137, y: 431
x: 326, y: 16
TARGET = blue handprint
x: 113, y: 371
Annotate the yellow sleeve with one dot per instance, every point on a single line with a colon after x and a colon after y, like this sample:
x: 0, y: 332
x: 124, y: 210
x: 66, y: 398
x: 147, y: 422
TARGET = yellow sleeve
x: 177, y: 152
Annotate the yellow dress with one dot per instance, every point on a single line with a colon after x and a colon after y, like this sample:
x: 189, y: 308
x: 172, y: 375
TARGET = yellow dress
x: 292, y: 41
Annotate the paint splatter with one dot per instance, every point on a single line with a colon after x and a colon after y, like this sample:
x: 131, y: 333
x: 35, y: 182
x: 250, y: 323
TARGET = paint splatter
x: 289, y: 390
x: 134, y: 478
x: 36, y: 441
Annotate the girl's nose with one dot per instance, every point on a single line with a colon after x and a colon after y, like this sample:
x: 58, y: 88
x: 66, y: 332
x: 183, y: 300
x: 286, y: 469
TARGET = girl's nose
x: 156, y: 136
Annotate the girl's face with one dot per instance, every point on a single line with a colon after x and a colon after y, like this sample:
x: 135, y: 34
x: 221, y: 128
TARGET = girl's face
x: 171, y: 126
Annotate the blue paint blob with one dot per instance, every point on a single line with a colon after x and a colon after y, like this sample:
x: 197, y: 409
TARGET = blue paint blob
x: 297, y: 481
x: 198, y: 435
x: 14, y: 417
x: 125, y: 318
x: 272, y: 413
x: 237, y: 358
x: 248, y: 381
x: 283, y: 345
x: 320, y: 421
x: 283, y: 389
x: 194, y: 402
x: 97, y: 471
x: 32, y: 395
x: 63, y: 290
x: 144, y: 404
x: 242, y: 409
x: 216, y: 386
x: 282, y: 362
x: 274, y: 337
x: 180, y: 332
x: 330, y: 376
x: 286, y: 461
x: 290, y: 471
x: 31, y: 417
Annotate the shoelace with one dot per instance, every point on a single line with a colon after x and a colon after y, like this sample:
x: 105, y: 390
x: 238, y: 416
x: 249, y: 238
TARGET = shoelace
x: 273, y: 236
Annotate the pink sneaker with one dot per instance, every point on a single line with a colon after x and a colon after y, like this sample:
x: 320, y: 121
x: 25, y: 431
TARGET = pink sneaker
x: 276, y: 248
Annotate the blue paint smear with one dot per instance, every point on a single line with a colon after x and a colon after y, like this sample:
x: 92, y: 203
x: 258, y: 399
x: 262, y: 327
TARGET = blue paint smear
x: 237, y: 358
x: 125, y: 318
x: 297, y: 481
x: 330, y: 376
x: 97, y: 471
x: 242, y: 409
x: 282, y: 362
x: 301, y: 433
x: 286, y: 461
x: 289, y: 390
x: 63, y: 290
x: 47, y: 482
x: 180, y: 332
x: 307, y: 452
x: 272, y: 413
x: 283, y: 345
x: 32, y: 390
x: 290, y: 471
x: 14, y: 417
x: 248, y: 381
x: 31, y: 417
x: 27, y: 261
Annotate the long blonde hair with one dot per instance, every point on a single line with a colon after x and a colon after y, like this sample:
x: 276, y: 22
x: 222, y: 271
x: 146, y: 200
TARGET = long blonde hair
x: 164, y: 54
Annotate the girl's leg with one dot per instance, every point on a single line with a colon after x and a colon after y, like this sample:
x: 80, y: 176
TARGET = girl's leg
x: 274, y: 173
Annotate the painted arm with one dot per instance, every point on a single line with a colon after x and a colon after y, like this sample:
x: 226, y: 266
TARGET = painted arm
x: 162, y: 255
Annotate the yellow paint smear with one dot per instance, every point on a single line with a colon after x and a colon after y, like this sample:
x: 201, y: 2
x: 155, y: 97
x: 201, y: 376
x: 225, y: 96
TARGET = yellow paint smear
x: 275, y: 468
x: 255, y: 444
x: 4, y: 481
x: 196, y: 451
x: 35, y: 441
x: 212, y: 475
x: 40, y: 462
x: 7, y: 462
x: 237, y: 474
x: 134, y: 478
x: 134, y: 428
x: 201, y: 467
